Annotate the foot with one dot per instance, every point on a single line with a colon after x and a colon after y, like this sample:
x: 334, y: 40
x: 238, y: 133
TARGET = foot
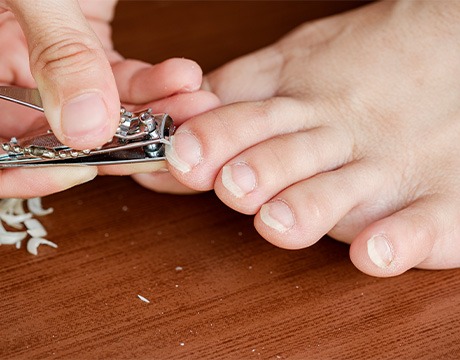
x: 348, y: 126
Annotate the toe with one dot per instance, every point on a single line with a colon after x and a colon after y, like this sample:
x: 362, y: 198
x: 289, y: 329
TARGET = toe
x: 230, y: 82
x: 259, y: 173
x: 304, y: 212
x: 203, y: 144
x: 420, y: 235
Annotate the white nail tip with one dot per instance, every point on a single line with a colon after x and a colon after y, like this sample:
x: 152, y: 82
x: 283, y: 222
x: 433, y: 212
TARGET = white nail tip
x: 173, y: 159
x: 269, y: 220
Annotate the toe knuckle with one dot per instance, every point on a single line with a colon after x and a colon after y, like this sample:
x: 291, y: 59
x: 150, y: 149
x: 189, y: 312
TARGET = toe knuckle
x: 268, y: 111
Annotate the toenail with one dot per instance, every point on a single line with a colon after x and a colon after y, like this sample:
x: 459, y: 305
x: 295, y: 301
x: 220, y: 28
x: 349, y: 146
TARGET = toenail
x: 183, y: 152
x: 380, y: 251
x: 278, y: 215
x: 239, y: 179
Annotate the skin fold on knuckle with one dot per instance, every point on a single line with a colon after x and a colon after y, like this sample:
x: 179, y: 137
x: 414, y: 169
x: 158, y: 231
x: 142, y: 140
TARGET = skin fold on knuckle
x: 70, y: 55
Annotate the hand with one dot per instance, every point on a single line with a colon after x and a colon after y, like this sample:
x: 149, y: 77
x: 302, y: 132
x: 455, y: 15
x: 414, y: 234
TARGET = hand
x: 71, y: 57
x: 70, y: 66
x: 68, y: 62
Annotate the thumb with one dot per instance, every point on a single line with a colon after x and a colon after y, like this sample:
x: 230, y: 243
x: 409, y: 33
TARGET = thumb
x: 71, y: 70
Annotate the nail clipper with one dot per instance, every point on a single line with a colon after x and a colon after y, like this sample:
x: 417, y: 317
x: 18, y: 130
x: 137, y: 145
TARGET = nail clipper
x: 141, y: 136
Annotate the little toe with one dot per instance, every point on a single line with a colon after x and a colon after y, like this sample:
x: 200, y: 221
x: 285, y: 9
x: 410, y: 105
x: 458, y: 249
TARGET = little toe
x: 306, y: 211
x: 420, y: 235
x: 264, y: 170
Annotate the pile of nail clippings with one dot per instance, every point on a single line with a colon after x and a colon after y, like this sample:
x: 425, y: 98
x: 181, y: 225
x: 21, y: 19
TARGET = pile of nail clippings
x: 14, y: 215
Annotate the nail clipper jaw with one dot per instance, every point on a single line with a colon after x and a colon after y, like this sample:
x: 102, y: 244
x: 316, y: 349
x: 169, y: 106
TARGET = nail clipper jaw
x: 141, y: 136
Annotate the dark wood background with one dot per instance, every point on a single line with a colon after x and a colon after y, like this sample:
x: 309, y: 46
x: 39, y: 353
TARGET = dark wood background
x: 217, y: 290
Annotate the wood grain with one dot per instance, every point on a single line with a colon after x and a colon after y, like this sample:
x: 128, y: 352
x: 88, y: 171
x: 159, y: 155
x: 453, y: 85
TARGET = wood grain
x: 217, y: 290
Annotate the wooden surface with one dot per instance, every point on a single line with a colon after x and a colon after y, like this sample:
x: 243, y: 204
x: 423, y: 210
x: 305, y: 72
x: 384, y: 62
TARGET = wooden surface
x: 217, y: 290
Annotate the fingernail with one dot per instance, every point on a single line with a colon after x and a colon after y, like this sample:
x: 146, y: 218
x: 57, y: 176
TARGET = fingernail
x: 183, y: 152
x: 380, y: 251
x: 85, y: 116
x: 239, y: 179
x: 278, y: 215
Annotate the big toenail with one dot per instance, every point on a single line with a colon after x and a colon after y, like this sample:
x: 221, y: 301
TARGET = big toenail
x: 278, y: 215
x: 184, y: 151
x: 239, y: 179
x: 380, y: 251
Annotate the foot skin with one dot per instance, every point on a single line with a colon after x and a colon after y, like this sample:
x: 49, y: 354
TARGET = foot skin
x: 348, y: 126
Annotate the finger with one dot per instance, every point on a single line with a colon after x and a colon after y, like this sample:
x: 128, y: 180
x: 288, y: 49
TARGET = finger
x: 162, y: 182
x: 182, y: 107
x: 101, y: 10
x: 100, y: 14
x: 250, y: 78
x: 71, y: 70
x: 31, y: 120
x: 26, y: 183
x: 139, y: 82
x: 133, y: 168
x: 14, y: 62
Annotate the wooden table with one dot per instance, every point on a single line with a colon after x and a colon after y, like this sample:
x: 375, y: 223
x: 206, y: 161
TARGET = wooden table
x: 217, y: 290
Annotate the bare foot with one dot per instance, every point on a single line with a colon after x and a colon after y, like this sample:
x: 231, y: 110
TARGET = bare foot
x: 349, y: 126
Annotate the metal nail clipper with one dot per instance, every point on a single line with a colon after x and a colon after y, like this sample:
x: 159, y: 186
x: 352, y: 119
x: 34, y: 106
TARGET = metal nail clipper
x: 141, y: 136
